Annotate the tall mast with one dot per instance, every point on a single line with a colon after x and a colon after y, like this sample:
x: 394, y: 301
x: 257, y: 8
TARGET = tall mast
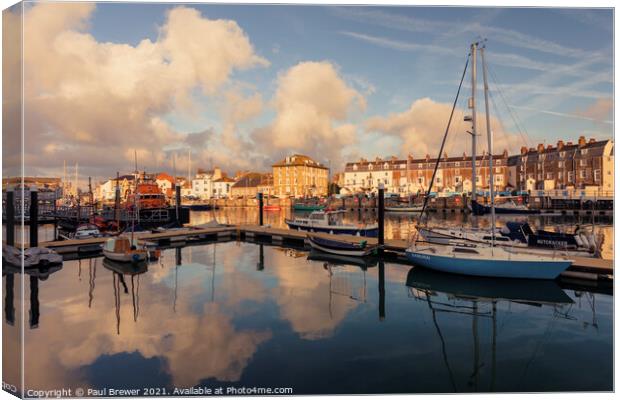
x: 64, y: 178
x: 490, y: 144
x: 189, y: 165
x: 472, y: 105
x: 76, y: 179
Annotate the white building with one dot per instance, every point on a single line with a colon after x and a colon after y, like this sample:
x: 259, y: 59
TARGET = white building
x: 221, y: 187
x: 202, y: 184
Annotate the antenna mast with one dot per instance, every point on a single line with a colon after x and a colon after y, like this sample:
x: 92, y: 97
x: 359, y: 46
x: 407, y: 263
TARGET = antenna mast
x: 472, y: 106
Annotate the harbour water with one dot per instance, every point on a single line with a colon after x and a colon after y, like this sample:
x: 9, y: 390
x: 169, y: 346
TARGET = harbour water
x: 243, y: 315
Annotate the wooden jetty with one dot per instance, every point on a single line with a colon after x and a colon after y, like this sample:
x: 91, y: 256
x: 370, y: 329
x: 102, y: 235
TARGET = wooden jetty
x: 582, y: 267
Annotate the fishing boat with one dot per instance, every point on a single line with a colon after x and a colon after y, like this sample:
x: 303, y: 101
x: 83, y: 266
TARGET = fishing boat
x: 308, y: 207
x: 331, y: 222
x: 87, y: 231
x: 483, y: 259
x: 124, y: 249
x: 341, y: 247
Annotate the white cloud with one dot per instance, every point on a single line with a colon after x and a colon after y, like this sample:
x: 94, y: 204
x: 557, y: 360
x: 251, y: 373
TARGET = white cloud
x: 98, y: 99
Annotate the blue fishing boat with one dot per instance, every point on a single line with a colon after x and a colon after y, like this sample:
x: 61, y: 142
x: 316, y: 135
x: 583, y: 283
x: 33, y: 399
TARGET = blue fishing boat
x: 331, y: 222
x: 341, y: 247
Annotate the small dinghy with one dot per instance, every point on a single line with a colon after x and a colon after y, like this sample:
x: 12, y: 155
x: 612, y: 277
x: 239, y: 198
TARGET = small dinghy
x: 341, y: 247
x: 122, y: 249
x: 362, y: 262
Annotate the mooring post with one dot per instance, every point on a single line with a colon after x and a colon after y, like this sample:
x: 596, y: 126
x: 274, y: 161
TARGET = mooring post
x: 381, y: 291
x: 34, y: 216
x: 260, y: 208
x: 177, y: 200
x: 10, y: 216
x: 34, y: 302
x: 261, y: 258
x: 9, y: 299
x: 381, y: 216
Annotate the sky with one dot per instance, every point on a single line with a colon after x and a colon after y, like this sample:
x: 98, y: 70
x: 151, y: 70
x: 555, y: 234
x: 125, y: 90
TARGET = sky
x: 242, y: 86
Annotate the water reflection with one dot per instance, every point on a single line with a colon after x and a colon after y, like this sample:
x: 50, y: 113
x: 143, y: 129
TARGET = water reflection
x: 247, y: 314
x: 479, y: 298
x: 36, y: 274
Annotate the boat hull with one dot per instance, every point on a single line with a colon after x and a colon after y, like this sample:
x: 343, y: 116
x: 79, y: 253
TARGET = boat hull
x: 480, y: 209
x: 136, y: 256
x: 340, y: 248
x: 305, y: 207
x: 403, y: 209
x: 489, y: 267
x: 334, y: 230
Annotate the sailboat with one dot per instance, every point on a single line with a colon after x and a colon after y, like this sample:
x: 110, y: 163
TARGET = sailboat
x: 483, y: 259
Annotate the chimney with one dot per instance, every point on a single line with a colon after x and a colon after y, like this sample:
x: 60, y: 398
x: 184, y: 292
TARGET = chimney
x: 582, y: 141
x: 505, y: 153
x: 591, y: 141
x: 549, y: 147
x: 427, y: 157
x: 523, y: 150
x: 569, y: 143
x: 464, y: 156
x: 541, y: 147
x: 560, y: 145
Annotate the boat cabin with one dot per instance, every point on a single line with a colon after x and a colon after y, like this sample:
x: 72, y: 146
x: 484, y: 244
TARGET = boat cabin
x: 120, y: 244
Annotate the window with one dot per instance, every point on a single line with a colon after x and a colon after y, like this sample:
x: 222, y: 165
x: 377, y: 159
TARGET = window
x: 582, y: 174
x: 438, y: 179
x: 562, y: 153
x: 570, y: 176
x: 457, y: 179
x: 457, y: 164
x: 370, y: 167
x: 386, y: 166
x: 583, y: 163
x: 584, y: 152
x: 560, y: 164
x: 498, y: 179
x: 403, y: 166
x: 498, y: 170
x: 549, y: 175
x: 498, y: 162
x: 540, y: 177
x: 597, y: 175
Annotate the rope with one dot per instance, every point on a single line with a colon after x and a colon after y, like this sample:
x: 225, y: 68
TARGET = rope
x: 443, y: 141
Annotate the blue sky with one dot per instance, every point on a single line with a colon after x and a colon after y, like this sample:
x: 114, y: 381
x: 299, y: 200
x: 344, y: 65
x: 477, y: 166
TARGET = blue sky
x: 397, y: 75
x: 552, y: 70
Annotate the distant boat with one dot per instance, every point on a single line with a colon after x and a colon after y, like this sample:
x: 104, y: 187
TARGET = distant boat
x: 122, y: 249
x: 404, y: 209
x: 331, y: 222
x: 308, y: 207
x: 341, y: 247
x: 271, y: 207
x: 505, y: 208
x: 86, y: 231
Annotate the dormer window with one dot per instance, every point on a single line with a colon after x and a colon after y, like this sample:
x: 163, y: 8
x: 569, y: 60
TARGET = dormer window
x: 354, y: 167
x: 562, y: 153
x: 584, y: 152
x: 386, y: 166
x: 370, y: 167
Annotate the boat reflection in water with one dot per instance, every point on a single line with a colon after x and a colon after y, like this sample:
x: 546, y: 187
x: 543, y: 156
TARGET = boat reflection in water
x: 133, y: 271
x: 481, y: 294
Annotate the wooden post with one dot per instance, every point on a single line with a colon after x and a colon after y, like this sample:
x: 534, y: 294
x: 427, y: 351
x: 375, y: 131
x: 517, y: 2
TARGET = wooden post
x: 178, y: 200
x: 381, y: 291
x: 34, y: 216
x: 34, y: 302
x: 9, y: 299
x: 260, y: 208
x: 381, y: 216
x: 10, y: 216
x: 261, y: 258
